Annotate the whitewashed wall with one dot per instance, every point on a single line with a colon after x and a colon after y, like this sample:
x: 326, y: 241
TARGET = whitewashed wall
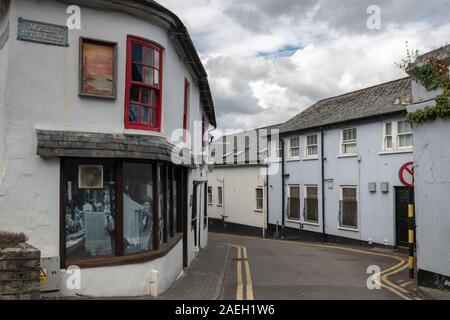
x: 239, y: 194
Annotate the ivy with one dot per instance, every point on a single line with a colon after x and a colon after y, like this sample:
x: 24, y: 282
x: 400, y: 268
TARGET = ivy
x: 433, y: 75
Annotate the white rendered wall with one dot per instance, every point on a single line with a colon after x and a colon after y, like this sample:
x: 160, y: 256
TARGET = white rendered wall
x: 239, y: 194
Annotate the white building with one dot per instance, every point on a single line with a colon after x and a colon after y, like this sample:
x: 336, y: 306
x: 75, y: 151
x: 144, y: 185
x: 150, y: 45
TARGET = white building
x: 340, y: 162
x: 237, y: 184
x: 432, y: 185
x: 87, y: 122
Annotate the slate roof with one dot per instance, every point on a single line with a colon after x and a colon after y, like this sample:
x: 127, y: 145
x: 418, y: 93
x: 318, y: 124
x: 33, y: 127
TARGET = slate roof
x: 382, y: 99
x: 100, y: 145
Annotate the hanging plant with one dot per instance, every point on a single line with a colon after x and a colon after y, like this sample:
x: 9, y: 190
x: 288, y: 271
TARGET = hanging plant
x: 433, y: 74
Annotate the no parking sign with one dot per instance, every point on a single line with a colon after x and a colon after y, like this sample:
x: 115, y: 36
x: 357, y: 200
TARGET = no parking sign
x: 406, y: 174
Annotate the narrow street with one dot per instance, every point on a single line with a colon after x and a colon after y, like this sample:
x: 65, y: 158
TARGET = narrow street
x: 266, y: 269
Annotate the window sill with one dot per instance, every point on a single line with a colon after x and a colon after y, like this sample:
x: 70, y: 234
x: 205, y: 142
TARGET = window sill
x: 220, y: 205
x: 350, y: 155
x: 155, y: 132
x: 210, y: 204
x: 311, y: 159
x: 294, y: 221
x: 348, y: 229
x: 398, y: 151
x: 312, y: 224
x: 100, y: 262
x: 258, y: 211
x: 293, y: 159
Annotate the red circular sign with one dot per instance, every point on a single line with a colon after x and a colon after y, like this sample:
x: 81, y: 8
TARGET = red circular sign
x: 407, y: 174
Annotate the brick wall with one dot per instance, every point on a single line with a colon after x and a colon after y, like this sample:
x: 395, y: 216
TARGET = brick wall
x: 19, y: 273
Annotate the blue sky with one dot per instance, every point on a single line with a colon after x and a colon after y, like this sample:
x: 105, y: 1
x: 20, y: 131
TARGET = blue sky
x: 268, y: 60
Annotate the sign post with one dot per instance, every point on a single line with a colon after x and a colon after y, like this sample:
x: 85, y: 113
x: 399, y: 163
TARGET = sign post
x: 406, y: 175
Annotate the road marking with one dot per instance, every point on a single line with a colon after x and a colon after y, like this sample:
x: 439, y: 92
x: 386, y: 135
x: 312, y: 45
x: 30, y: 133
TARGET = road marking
x: 240, y: 287
x: 401, y: 266
x: 249, y: 288
x: 406, y: 284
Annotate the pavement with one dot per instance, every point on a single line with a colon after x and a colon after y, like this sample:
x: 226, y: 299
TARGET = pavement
x: 204, y: 279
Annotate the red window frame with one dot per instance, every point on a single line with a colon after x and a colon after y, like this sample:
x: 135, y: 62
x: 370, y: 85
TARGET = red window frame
x: 187, y: 94
x: 129, y: 83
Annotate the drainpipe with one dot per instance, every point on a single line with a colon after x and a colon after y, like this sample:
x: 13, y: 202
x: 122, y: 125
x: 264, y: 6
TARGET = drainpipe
x: 283, y: 188
x: 267, y: 201
x: 322, y: 152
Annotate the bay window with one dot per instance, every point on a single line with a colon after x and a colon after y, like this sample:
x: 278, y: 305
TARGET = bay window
x: 143, y: 85
x: 112, y: 209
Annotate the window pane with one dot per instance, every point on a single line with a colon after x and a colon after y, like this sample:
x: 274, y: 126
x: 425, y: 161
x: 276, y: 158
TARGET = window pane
x: 157, y: 59
x: 90, y: 214
x: 152, y: 117
x: 137, y: 73
x: 312, y: 151
x: 295, y: 152
x: 349, y: 134
x: 145, y: 116
x: 389, y: 143
x: 404, y: 127
x: 405, y: 141
x: 388, y: 129
x: 148, y: 56
x: 137, y: 207
x: 349, y: 208
x: 161, y: 204
x: 349, y: 148
x: 295, y: 142
x: 155, y: 97
x: 156, y: 78
x: 137, y: 53
x: 312, y: 140
x: 134, y: 113
x: 134, y: 94
x: 146, y: 96
x: 294, y: 203
x: 148, y: 75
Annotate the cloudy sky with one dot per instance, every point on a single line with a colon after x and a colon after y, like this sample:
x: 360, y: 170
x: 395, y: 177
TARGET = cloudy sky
x: 270, y: 59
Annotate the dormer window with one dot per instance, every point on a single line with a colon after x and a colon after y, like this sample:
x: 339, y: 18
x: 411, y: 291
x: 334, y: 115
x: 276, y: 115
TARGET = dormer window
x: 143, y: 86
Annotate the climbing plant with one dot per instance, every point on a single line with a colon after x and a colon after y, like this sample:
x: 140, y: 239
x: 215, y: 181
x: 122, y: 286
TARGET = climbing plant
x: 433, y: 74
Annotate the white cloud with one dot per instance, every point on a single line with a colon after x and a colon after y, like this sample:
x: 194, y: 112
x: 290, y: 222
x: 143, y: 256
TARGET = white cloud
x: 254, y: 86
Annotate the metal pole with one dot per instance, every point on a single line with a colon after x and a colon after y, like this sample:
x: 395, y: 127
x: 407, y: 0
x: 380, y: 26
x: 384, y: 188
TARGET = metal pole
x: 411, y: 240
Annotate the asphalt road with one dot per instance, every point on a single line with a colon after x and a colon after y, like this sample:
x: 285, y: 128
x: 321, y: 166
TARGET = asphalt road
x: 277, y: 270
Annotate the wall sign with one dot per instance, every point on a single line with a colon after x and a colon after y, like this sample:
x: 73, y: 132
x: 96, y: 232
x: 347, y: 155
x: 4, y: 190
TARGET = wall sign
x: 41, y: 32
x: 406, y: 174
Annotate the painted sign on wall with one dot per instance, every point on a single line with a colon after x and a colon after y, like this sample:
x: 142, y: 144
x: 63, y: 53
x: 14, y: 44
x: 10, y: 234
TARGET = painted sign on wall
x: 41, y: 32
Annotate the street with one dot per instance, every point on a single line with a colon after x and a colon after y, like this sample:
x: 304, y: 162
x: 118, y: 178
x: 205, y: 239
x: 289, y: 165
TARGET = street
x: 282, y: 270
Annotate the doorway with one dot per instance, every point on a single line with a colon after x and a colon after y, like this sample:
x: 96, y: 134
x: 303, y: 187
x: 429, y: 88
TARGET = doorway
x: 403, y: 198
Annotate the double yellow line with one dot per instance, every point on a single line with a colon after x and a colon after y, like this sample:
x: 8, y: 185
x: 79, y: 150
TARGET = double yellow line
x: 242, y: 260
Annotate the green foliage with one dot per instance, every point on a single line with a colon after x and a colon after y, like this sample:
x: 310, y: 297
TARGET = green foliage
x: 433, y: 75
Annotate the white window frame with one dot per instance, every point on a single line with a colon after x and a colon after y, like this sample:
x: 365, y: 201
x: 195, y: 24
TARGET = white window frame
x: 291, y: 157
x: 210, y: 188
x: 299, y: 204
x: 262, y: 199
x: 348, y: 142
x: 395, y: 137
x: 307, y: 146
x: 341, y: 198
x: 219, y: 196
x: 404, y: 134
x: 305, y: 195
